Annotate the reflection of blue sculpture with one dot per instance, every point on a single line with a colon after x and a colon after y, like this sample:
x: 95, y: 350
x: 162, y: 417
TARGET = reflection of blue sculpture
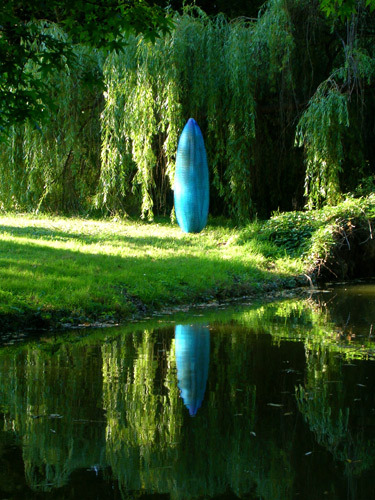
x: 192, y: 359
x: 191, y: 187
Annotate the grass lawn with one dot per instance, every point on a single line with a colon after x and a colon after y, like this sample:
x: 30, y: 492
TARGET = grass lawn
x: 75, y: 269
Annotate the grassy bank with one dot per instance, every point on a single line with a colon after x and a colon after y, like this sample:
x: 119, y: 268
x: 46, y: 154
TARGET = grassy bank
x: 74, y: 270
x: 334, y: 243
x: 78, y: 270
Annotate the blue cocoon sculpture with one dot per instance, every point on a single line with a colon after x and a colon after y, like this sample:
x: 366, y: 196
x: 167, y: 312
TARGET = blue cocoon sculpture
x: 191, y: 186
x: 192, y: 343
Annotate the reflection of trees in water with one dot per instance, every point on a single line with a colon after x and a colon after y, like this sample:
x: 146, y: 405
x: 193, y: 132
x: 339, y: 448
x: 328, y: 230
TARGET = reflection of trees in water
x: 57, y: 401
x: 350, y: 306
x: 153, y: 445
x: 140, y: 397
x: 116, y: 402
x: 50, y: 399
x: 337, y: 417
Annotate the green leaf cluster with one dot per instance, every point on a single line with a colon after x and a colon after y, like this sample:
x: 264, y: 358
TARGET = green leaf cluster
x: 343, y: 9
x: 332, y: 129
x: 291, y: 231
x: 320, y: 130
x: 24, y: 41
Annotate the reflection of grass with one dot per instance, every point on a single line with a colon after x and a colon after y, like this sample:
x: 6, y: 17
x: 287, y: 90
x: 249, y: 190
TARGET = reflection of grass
x: 84, y: 268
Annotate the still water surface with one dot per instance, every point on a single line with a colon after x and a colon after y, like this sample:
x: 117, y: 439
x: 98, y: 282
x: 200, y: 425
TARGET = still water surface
x: 273, y: 401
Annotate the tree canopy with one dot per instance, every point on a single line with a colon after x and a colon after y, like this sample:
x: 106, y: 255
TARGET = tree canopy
x: 30, y: 51
x: 343, y: 10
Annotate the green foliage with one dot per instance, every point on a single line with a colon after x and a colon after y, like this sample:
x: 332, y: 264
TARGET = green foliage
x: 291, y: 230
x: 343, y: 9
x: 320, y: 130
x: 57, y: 167
x: 29, y: 54
x: 315, y: 237
x: 331, y: 128
x: 206, y: 69
x: 338, y: 225
x: 135, y: 97
x: 24, y: 93
x: 117, y: 269
x: 244, y: 81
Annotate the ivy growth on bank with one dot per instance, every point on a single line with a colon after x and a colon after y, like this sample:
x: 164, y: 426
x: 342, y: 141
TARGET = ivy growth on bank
x: 318, y: 236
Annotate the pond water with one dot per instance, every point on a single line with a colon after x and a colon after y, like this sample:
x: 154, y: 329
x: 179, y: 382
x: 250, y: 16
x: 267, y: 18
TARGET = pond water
x: 268, y: 401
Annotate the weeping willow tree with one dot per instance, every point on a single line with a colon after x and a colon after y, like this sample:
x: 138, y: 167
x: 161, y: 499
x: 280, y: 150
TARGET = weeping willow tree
x: 207, y: 68
x: 333, y: 127
x: 257, y: 88
x: 56, y: 167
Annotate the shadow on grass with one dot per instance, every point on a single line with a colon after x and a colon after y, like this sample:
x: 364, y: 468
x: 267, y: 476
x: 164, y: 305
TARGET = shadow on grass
x: 45, y: 234
x: 55, y: 283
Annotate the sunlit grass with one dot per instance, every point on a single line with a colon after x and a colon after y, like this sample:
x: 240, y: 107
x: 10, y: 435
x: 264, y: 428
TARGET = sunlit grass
x: 88, y: 268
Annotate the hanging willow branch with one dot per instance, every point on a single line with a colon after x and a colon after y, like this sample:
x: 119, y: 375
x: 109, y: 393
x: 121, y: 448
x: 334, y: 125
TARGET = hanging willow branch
x: 207, y: 69
x: 56, y: 167
x: 116, y: 151
x: 321, y: 130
